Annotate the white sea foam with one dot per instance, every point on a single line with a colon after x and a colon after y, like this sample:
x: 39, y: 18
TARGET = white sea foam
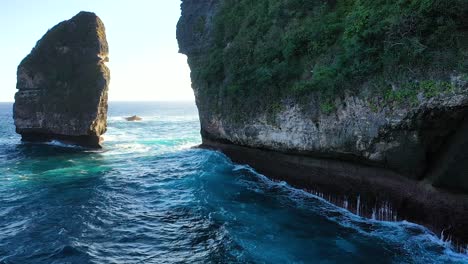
x: 351, y: 220
x: 57, y: 143
x: 127, y: 148
x: 63, y: 145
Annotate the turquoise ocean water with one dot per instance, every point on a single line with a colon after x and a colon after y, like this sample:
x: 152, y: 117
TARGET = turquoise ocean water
x: 148, y: 197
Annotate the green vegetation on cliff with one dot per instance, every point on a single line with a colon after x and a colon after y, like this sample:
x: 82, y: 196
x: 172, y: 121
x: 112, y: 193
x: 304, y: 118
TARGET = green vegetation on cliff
x: 268, y: 50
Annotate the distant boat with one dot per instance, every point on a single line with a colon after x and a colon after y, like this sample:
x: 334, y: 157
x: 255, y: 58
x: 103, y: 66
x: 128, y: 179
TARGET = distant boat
x: 133, y: 118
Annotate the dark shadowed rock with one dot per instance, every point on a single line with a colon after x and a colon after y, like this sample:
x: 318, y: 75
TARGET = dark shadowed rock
x: 63, y: 83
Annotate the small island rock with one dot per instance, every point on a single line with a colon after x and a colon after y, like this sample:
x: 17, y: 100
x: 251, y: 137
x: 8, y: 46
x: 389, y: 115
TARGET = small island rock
x: 133, y: 118
x: 63, y: 84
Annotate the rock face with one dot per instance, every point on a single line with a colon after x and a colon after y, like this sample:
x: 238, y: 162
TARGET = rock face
x: 63, y: 84
x: 407, y: 158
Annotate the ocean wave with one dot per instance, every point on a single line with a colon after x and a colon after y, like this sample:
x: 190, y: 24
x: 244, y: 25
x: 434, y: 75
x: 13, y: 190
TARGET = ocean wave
x: 148, y: 198
x: 56, y: 143
x: 126, y: 148
x: 413, y: 236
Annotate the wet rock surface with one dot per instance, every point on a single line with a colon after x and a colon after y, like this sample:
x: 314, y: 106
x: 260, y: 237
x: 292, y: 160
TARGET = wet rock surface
x: 367, y: 191
x: 63, y: 84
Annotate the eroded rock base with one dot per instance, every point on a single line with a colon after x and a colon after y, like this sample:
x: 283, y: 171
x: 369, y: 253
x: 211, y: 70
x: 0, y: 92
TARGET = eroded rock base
x: 367, y: 191
x: 84, y: 141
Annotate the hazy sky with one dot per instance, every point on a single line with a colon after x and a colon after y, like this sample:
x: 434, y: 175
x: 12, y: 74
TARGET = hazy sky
x: 144, y: 62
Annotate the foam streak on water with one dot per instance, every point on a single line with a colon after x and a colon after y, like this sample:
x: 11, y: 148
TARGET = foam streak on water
x: 148, y: 197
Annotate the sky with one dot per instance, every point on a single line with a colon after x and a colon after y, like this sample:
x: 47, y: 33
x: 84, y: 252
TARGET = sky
x: 143, y: 51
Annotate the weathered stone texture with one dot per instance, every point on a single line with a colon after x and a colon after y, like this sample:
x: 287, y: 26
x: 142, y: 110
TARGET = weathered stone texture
x: 418, y: 152
x: 63, y: 84
x: 408, y: 139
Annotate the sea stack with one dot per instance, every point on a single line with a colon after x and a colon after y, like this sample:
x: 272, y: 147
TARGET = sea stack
x: 63, y: 84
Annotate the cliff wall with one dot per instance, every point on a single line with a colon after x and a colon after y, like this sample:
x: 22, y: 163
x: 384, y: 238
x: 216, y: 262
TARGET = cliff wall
x: 336, y: 85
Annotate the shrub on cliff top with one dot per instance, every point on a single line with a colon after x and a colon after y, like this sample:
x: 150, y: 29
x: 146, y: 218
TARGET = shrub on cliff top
x: 276, y: 49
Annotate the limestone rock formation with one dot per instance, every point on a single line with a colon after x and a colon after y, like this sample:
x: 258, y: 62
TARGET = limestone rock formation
x: 358, y: 148
x: 405, y: 137
x: 63, y: 84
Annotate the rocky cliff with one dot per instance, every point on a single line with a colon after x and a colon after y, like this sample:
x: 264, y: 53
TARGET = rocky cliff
x: 63, y: 83
x: 363, y: 103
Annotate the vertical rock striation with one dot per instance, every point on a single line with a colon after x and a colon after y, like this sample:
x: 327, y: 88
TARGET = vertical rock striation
x: 63, y: 84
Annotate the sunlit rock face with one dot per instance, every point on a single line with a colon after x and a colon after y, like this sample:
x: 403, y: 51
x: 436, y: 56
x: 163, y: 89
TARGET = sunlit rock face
x: 63, y: 84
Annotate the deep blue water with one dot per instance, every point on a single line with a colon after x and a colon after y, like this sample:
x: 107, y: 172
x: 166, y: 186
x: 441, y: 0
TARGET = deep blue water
x: 150, y: 198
